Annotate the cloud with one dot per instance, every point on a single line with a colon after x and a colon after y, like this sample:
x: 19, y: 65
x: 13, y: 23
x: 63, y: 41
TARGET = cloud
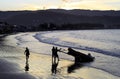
x: 31, y: 7
x: 93, y: 4
x: 65, y: 4
x: 65, y: 0
x: 78, y: 4
x: 71, y: 0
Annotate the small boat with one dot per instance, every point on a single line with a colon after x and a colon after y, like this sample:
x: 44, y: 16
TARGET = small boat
x: 80, y: 57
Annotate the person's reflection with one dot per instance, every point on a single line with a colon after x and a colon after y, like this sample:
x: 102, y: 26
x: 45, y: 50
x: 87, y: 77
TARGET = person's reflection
x: 54, y: 67
x: 27, y: 66
x: 73, y: 67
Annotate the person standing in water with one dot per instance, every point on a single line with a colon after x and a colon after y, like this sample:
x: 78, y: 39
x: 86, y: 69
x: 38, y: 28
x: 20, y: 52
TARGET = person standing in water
x: 27, y: 53
x: 53, y: 54
x: 54, y: 62
x: 56, y: 53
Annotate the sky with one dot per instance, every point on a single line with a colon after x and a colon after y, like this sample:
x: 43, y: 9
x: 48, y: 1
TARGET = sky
x: 6, y: 5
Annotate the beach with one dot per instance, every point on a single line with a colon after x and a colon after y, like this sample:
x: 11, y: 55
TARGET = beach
x: 12, y: 61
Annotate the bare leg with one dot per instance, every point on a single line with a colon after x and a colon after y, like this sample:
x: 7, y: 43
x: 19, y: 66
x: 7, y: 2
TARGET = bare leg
x: 52, y: 58
x: 27, y: 57
x: 57, y: 58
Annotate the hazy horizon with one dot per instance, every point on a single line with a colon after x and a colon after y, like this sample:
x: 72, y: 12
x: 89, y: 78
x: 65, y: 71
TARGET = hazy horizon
x: 18, y: 5
x: 56, y: 9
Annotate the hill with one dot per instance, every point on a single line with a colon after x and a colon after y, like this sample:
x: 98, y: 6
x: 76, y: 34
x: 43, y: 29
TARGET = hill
x: 61, y: 16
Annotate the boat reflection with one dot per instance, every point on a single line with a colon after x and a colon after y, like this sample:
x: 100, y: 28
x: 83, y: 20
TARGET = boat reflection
x: 73, y: 67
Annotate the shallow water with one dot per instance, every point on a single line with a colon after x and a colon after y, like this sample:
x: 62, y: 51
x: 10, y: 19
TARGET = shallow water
x: 101, y: 41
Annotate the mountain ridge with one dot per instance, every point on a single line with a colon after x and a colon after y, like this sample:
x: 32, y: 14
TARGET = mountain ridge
x: 60, y: 16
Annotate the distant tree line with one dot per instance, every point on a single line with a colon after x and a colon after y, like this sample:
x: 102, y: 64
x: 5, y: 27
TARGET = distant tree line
x: 82, y: 26
x: 7, y: 28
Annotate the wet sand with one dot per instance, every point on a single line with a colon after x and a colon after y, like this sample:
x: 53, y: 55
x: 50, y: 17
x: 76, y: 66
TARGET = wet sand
x: 13, y: 62
x: 12, y: 65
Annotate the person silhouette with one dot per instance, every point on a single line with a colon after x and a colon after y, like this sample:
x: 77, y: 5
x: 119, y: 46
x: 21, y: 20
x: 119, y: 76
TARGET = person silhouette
x: 27, y: 53
x: 53, y: 54
x: 54, y: 67
x: 56, y: 54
